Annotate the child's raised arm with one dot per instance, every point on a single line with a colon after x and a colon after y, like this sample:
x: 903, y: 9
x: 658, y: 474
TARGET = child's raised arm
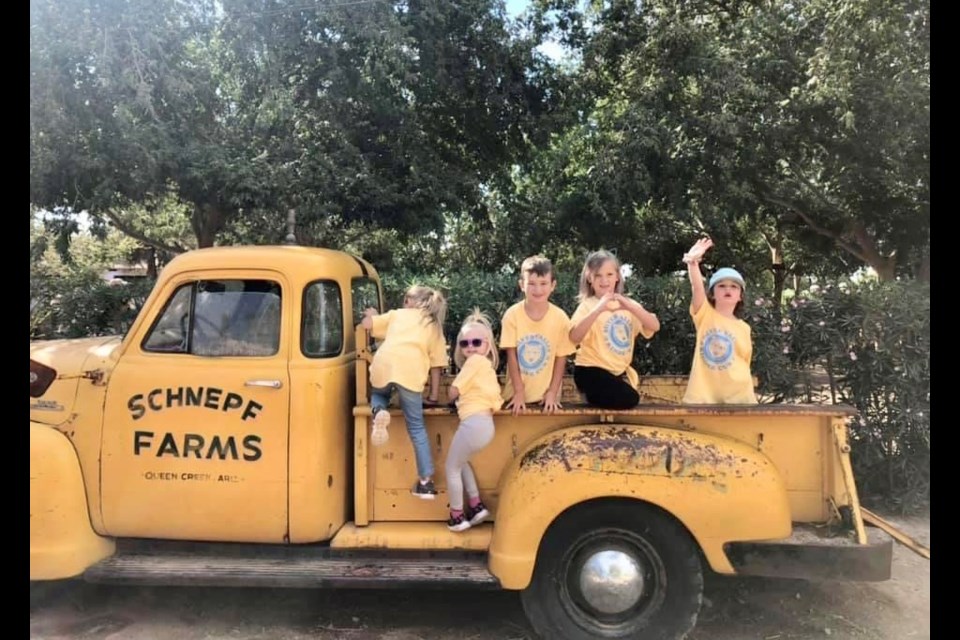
x: 692, y: 258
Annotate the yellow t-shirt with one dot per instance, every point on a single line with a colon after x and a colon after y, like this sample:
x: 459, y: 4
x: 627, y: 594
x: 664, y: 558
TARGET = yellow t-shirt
x: 720, y: 373
x: 538, y: 343
x: 478, y: 386
x: 412, y: 344
x: 610, y: 339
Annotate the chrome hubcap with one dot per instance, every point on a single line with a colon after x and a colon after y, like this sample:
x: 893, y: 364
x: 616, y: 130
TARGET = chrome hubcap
x: 611, y: 581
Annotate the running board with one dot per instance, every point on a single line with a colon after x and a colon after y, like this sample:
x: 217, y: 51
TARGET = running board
x: 257, y: 567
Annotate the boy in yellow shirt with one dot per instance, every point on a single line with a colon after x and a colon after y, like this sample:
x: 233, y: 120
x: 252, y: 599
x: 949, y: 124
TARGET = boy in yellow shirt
x: 535, y: 335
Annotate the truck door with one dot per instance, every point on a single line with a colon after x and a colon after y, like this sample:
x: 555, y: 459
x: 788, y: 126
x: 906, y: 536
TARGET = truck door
x: 195, y: 436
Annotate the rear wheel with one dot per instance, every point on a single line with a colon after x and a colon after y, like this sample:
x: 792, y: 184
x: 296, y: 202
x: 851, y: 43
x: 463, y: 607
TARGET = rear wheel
x: 615, y: 569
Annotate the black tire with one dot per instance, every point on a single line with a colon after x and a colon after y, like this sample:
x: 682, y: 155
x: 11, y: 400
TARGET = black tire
x: 643, y: 540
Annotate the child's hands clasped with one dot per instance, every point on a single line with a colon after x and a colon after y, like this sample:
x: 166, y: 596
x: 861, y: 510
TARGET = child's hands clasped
x: 608, y: 302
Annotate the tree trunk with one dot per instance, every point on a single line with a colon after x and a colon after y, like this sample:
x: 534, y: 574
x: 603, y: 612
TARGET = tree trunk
x: 885, y: 266
x: 207, y: 221
x: 151, y: 263
x: 775, y: 245
x: 923, y: 270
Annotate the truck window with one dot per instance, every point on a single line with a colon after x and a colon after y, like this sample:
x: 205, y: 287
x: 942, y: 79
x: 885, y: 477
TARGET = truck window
x: 365, y: 294
x: 170, y: 331
x: 322, y: 330
x: 221, y: 318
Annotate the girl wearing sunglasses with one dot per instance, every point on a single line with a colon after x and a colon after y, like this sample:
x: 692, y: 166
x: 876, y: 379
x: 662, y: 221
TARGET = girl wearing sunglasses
x: 476, y: 391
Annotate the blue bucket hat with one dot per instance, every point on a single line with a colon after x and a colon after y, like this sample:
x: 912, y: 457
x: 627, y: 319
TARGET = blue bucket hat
x: 727, y: 273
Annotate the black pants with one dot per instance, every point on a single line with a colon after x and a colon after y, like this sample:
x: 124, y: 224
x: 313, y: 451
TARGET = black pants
x: 605, y: 390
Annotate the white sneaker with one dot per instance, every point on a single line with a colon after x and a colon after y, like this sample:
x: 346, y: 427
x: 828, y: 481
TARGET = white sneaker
x: 378, y: 430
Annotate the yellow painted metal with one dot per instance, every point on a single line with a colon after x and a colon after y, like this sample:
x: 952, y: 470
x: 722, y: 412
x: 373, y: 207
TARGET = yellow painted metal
x: 198, y: 471
x: 839, y: 428
x: 62, y: 541
x: 293, y: 483
x: 94, y: 357
x: 67, y: 357
x: 719, y: 489
x: 362, y: 481
x: 412, y: 535
x: 320, y: 435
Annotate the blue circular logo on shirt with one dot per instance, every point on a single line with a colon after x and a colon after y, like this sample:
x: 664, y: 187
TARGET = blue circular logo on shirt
x: 618, y: 332
x: 717, y: 349
x: 532, y: 352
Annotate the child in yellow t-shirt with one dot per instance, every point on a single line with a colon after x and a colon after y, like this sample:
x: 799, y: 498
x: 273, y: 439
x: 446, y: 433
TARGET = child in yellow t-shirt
x: 535, y: 335
x: 413, y: 347
x: 720, y: 373
x: 477, y: 394
x: 606, y: 325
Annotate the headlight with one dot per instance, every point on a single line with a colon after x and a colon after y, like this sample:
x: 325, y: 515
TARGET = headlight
x: 41, y: 377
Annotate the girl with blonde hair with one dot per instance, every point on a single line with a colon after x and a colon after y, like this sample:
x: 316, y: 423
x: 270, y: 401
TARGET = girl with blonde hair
x: 476, y: 391
x: 412, y: 348
x: 605, y: 326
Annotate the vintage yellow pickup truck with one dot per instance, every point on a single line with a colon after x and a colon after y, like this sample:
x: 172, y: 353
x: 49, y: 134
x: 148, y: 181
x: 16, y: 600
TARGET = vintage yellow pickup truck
x: 224, y: 441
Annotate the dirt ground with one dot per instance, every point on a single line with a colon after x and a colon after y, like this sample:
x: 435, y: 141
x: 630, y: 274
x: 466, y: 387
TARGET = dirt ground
x: 734, y: 609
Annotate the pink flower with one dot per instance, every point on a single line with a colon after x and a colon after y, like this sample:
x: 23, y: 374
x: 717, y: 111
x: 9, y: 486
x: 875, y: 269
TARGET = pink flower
x: 786, y: 349
x: 853, y: 356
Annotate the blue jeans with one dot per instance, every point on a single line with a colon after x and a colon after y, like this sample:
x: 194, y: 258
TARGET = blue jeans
x: 411, y: 403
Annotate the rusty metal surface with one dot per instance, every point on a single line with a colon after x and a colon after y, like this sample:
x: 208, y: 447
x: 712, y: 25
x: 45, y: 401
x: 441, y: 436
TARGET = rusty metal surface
x: 819, y: 558
x: 643, y: 451
x: 672, y: 410
x: 292, y: 570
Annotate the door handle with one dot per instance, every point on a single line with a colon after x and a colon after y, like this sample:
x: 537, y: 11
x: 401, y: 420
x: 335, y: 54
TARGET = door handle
x: 272, y: 384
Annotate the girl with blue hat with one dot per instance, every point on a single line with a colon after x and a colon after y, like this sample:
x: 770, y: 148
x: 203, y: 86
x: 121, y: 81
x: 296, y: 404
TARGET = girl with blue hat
x: 720, y: 373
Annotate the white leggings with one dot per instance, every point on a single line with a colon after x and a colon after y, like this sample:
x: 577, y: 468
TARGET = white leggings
x: 474, y: 433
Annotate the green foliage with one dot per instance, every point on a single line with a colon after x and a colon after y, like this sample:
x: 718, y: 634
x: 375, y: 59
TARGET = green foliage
x: 69, y: 298
x: 796, y: 127
x: 81, y: 303
x: 873, y: 342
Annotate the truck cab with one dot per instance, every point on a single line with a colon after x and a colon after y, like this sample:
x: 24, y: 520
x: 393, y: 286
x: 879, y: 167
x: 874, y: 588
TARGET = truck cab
x: 224, y: 441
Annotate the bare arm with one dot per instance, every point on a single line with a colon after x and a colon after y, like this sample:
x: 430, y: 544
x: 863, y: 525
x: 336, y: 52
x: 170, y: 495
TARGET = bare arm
x: 647, y: 319
x: 580, y: 330
x: 367, y: 321
x: 435, y: 384
x: 692, y: 258
x: 518, y: 401
x: 452, y: 393
x: 550, y: 401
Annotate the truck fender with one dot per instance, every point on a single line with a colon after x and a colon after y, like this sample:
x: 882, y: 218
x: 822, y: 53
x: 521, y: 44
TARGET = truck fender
x: 719, y: 489
x: 62, y: 540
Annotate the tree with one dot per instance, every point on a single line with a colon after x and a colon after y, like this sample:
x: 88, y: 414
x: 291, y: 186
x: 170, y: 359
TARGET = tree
x: 403, y: 112
x: 785, y: 127
x: 126, y: 109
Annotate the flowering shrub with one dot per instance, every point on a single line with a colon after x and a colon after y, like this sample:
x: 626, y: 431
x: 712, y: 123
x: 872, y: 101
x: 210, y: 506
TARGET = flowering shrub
x: 873, y: 342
